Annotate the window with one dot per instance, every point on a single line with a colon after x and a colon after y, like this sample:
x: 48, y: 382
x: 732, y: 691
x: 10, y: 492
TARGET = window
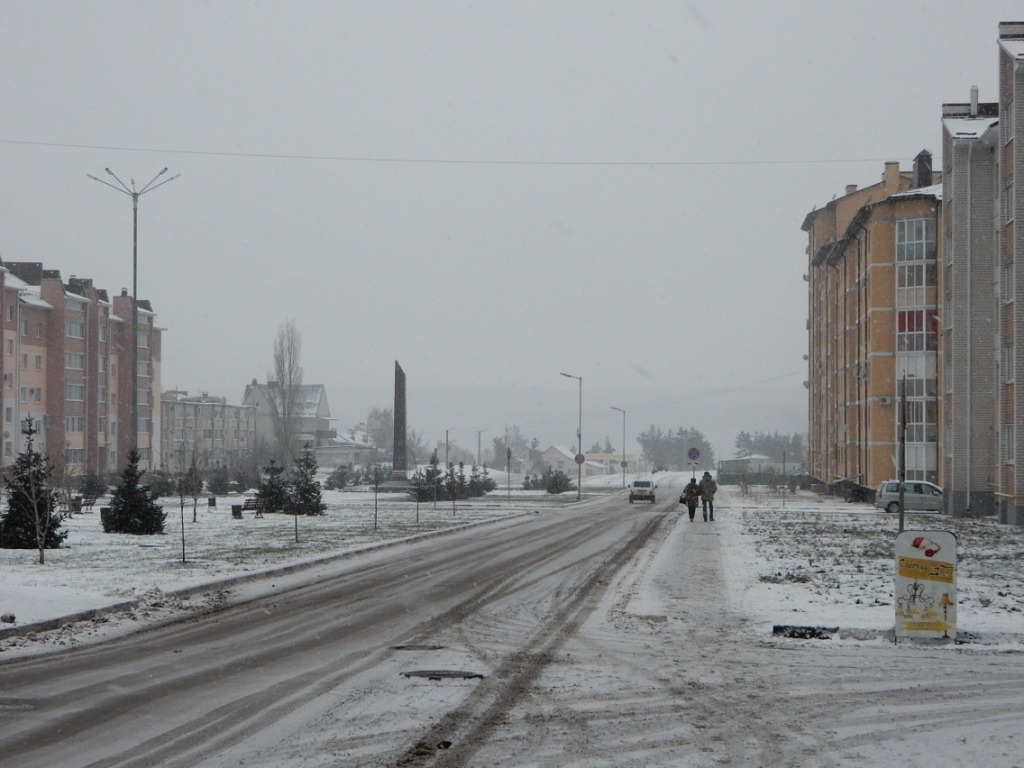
x: 143, y: 340
x: 74, y: 361
x: 145, y: 425
x: 103, y: 332
x: 1006, y: 363
x: 9, y: 346
x: 915, y: 240
x: 24, y: 361
x: 74, y: 456
x: 8, y: 414
x: 1006, y: 283
x: 75, y: 330
x: 917, y: 330
x: 39, y: 362
x: 102, y: 394
x: 74, y: 423
x: 1006, y: 446
x: 10, y: 313
x: 103, y: 364
x: 39, y: 330
x: 143, y: 367
x: 39, y: 394
x: 1008, y: 202
x: 74, y: 392
x: 24, y: 327
x: 24, y: 394
x: 103, y: 425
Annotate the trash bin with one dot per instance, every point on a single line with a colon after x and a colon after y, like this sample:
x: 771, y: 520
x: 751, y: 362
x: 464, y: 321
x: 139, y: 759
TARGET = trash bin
x: 213, y: 501
x: 105, y: 518
x: 76, y: 503
x: 236, y: 511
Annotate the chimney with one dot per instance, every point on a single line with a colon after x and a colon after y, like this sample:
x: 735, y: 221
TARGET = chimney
x: 923, y: 169
x: 974, y: 101
x: 851, y: 188
x: 891, y: 177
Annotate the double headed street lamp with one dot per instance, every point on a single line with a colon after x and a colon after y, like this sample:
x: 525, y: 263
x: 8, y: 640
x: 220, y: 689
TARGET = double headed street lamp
x: 579, y: 438
x: 623, y: 443
x: 134, y: 195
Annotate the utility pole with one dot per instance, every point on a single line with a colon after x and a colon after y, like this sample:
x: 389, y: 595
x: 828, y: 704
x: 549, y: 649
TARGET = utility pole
x: 134, y: 194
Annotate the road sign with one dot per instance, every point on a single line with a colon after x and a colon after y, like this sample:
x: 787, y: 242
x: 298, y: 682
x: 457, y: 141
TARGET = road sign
x: 580, y: 458
x: 693, y: 453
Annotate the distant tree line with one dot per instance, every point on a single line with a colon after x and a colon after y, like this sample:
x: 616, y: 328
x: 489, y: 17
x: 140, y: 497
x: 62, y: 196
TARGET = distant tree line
x: 780, y: 447
x: 670, y: 450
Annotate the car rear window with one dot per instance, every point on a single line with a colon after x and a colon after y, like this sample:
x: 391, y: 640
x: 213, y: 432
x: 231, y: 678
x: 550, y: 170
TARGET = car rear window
x: 642, y: 484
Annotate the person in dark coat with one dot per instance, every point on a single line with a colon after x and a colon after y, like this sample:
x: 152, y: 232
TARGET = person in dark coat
x: 708, y: 487
x: 690, y: 497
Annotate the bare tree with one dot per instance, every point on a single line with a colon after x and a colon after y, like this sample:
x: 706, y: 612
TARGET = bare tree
x: 287, y: 393
x: 380, y: 428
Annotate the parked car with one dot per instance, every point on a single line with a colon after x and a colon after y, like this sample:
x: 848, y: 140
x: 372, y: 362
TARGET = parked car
x: 917, y: 495
x: 642, y: 490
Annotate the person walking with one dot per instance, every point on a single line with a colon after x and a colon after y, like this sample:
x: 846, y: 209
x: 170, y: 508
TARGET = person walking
x: 690, y: 497
x: 708, y: 487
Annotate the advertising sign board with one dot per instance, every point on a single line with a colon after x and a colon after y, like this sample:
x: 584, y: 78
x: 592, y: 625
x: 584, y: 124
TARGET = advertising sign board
x: 926, y: 584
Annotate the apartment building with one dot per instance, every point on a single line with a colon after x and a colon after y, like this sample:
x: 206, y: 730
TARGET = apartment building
x: 63, y: 346
x: 971, y: 309
x: 873, y: 328
x: 1009, y: 242
x: 204, y: 431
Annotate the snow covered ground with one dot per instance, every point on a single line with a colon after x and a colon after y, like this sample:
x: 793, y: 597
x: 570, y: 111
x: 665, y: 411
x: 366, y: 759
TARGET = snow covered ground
x: 803, y: 560
x: 678, y: 666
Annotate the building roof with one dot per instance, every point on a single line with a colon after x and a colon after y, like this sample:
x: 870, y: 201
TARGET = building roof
x: 969, y: 127
x: 1013, y: 47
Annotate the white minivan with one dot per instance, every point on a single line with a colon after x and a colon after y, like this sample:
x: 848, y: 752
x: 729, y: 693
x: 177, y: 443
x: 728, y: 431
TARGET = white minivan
x: 917, y: 495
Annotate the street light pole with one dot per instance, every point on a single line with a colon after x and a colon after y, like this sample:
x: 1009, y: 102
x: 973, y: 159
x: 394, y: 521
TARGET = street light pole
x: 579, y: 438
x: 134, y: 195
x: 623, y: 444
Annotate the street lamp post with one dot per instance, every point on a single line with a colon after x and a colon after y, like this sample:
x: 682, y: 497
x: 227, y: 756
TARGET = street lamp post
x: 134, y: 194
x: 623, y: 443
x: 579, y: 438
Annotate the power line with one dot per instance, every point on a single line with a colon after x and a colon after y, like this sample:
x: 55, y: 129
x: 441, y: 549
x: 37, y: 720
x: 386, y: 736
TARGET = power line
x: 440, y: 161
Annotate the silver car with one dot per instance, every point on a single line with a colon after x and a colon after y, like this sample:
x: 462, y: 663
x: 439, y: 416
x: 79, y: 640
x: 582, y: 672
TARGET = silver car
x: 917, y: 495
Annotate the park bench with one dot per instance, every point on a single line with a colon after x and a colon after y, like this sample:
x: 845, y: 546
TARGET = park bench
x: 252, y: 505
x: 88, y: 502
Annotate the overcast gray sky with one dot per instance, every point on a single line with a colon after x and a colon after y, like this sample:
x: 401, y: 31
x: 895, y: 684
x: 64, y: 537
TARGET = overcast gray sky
x: 489, y: 192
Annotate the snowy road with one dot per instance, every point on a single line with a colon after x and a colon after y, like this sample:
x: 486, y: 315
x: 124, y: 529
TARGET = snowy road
x: 318, y: 674
x: 605, y: 634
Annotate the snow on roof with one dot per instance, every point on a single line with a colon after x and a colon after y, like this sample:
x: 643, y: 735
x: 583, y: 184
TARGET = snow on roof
x: 969, y: 127
x: 1014, y: 48
x: 935, y: 190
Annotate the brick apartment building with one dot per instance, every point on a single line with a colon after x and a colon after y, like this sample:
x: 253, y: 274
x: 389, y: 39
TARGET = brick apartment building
x: 65, y: 348
x: 873, y: 296
x: 916, y: 280
x: 204, y: 431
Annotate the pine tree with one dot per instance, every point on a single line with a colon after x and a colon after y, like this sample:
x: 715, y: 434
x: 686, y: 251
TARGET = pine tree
x: 133, y: 509
x: 305, y: 497
x: 31, y: 521
x: 273, y: 488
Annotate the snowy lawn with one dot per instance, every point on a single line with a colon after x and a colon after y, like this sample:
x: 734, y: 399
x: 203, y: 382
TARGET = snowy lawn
x: 804, y: 560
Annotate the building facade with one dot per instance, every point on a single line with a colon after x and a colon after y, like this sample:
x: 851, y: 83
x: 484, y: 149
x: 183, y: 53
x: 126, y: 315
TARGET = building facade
x: 873, y: 329
x: 1009, y: 242
x: 63, y: 348
x: 971, y: 389
x: 205, y: 432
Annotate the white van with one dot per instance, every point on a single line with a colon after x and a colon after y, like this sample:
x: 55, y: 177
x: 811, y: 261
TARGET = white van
x: 917, y: 495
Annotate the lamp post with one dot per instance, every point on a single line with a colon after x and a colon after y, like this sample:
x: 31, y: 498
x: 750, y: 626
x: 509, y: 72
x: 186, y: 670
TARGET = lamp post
x: 623, y: 443
x: 579, y: 437
x: 134, y: 195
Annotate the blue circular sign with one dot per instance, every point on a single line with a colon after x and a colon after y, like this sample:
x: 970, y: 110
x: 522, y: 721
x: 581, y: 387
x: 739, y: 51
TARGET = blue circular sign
x: 693, y: 453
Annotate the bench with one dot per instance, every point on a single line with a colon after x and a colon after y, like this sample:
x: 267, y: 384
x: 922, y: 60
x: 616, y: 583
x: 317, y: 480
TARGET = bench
x: 88, y: 502
x: 252, y: 505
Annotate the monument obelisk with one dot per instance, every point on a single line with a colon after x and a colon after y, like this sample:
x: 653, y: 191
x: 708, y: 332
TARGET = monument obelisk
x: 399, y: 459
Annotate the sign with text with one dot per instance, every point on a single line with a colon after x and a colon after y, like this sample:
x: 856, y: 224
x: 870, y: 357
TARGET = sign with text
x: 926, y: 584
